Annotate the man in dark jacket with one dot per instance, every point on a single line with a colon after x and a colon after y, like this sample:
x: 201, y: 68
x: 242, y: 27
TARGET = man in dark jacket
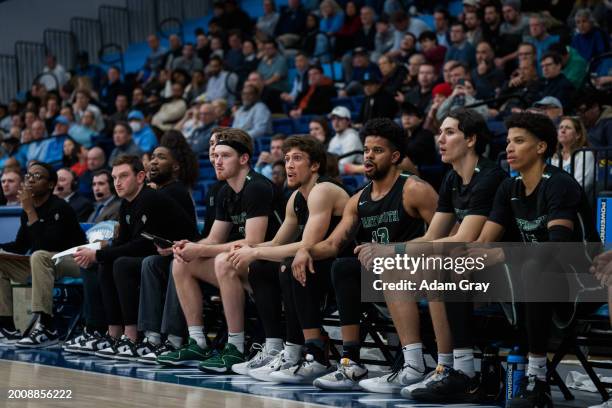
x: 378, y: 103
x: 67, y: 189
x: 554, y: 82
x: 317, y: 99
x: 48, y: 226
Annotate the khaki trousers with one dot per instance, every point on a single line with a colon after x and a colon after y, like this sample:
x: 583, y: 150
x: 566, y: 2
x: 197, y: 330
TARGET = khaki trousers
x: 44, y: 272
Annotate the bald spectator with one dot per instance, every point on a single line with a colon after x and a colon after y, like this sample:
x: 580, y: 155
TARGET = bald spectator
x: 172, y: 111
x: 253, y: 116
x: 487, y: 78
x: 96, y: 160
x: 11, y: 182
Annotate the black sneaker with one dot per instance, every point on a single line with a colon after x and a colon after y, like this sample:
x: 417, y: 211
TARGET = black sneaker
x: 9, y: 337
x: 450, y: 386
x: 97, y: 342
x: 151, y: 357
x: 127, y: 349
x: 113, y: 348
x: 533, y: 393
x: 39, y: 337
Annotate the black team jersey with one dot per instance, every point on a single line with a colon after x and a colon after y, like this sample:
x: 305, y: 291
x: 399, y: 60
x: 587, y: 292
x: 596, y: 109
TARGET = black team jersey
x: 258, y: 198
x: 557, y: 196
x: 474, y: 198
x: 300, y: 207
x: 386, y: 220
x: 211, y: 207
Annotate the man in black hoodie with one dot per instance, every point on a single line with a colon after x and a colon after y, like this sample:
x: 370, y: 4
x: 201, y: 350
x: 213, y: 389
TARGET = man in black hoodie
x: 48, y: 226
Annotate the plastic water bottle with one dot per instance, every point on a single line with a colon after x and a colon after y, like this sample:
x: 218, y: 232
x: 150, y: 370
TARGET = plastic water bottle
x: 515, y: 372
x: 491, y: 377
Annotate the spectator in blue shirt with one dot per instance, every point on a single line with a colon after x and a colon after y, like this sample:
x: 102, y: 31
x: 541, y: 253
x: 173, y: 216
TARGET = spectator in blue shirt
x: 84, y: 68
x: 253, y: 116
x: 142, y: 134
x: 539, y: 37
x: 273, y: 68
x: 332, y: 17
x: 155, y: 60
x: 589, y: 41
x: 461, y: 49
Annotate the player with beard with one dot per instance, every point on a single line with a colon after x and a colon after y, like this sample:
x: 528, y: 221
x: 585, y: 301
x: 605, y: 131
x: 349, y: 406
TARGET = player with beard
x: 246, y: 205
x: 393, y: 207
x: 463, y: 207
x: 312, y: 212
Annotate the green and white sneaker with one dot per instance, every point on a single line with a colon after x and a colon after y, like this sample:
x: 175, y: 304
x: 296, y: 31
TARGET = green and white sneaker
x: 190, y: 355
x: 222, y: 362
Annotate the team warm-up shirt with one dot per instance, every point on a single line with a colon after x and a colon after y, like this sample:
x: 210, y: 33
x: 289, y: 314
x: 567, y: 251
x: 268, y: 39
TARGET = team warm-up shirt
x: 386, y: 220
x: 557, y: 196
x: 300, y: 207
x: 258, y: 198
x: 474, y: 198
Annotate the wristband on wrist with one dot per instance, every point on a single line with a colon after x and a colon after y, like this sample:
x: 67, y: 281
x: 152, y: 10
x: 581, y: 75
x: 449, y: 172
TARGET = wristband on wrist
x: 400, y: 249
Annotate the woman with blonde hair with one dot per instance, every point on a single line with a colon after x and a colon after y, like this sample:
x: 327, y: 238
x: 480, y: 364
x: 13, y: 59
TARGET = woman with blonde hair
x: 571, y: 136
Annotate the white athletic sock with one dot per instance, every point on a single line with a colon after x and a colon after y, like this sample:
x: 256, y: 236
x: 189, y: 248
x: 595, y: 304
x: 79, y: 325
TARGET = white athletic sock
x: 176, y: 341
x: 293, y: 352
x: 413, y: 356
x: 445, y: 359
x: 197, y: 333
x: 463, y: 360
x: 153, y: 337
x: 537, y: 367
x: 274, y: 344
x: 237, y: 339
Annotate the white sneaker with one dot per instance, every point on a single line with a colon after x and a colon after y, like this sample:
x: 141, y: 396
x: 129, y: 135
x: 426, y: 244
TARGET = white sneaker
x: 260, y: 359
x: 605, y: 404
x: 304, y: 372
x: 392, y: 382
x: 280, y: 362
x: 431, y: 377
x: 345, y: 378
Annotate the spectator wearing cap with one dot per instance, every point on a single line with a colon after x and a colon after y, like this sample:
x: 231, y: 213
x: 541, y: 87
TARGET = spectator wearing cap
x: 143, y: 135
x: 317, y: 99
x: 470, y: 6
x: 403, y: 24
x: 361, y: 65
x: 515, y: 22
x: 549, y: 106
x: 346, y: 139
x: 439, y: 94
x: 384, y: 38
x: 574, y: 66
x: 273, y: 68
x: 461, y: 49
x: 589, y: 40
x: 487, y: 78
x: 539, y: 37
x: 420, y: 95
x: 61, y: 126
x: 554, y: 83
x: 253, y: 116
x: 378, y: 103
x: 420, y: 143
x: 124, y: 144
